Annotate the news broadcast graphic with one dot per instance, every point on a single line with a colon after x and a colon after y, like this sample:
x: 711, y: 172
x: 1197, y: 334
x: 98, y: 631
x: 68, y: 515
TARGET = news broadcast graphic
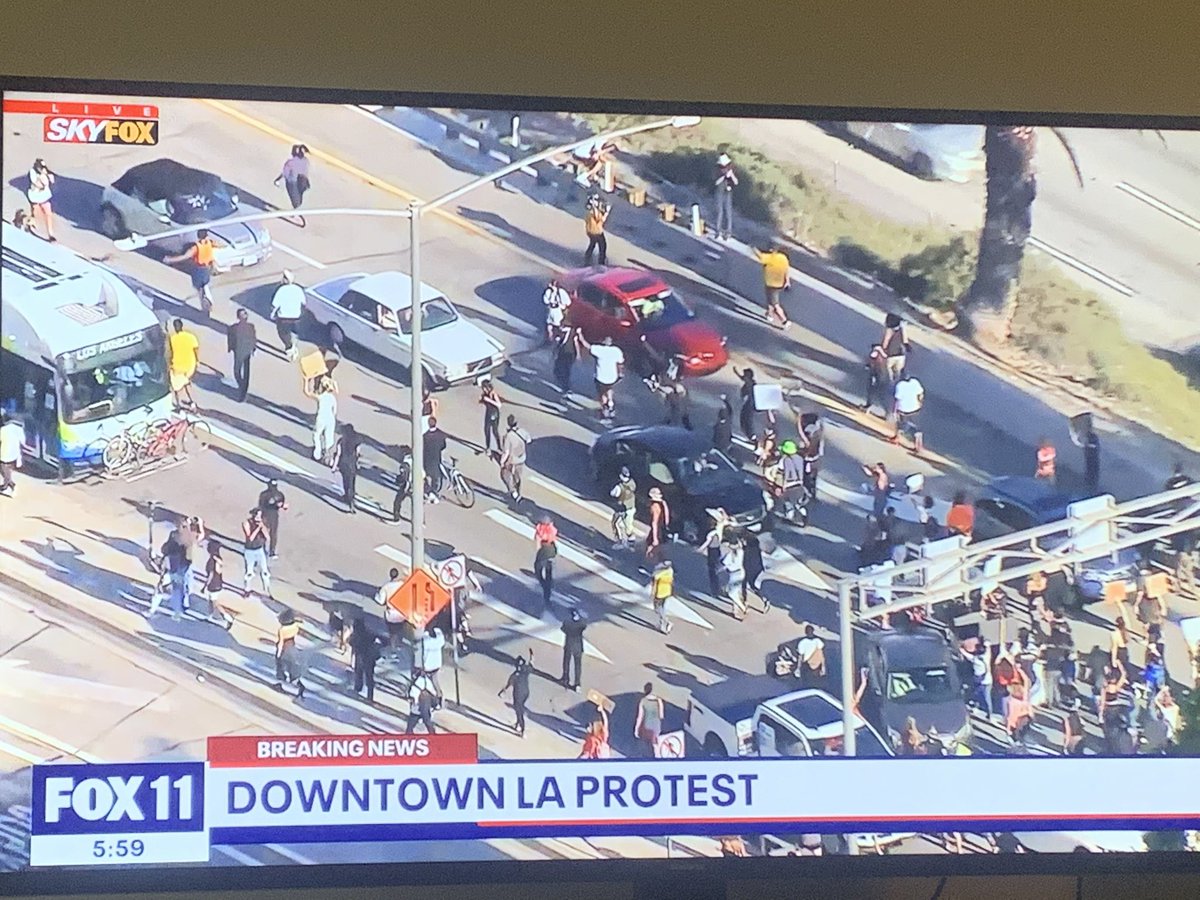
x: 399, y: 484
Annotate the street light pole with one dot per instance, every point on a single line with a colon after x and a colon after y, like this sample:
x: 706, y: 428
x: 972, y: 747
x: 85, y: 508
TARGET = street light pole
x: 417, y: 375
x: 846, y: 638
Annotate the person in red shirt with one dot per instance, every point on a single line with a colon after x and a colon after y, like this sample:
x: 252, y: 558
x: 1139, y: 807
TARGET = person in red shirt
x: 1046, y: 455
x: 545, y: 539
x: 961, y: 518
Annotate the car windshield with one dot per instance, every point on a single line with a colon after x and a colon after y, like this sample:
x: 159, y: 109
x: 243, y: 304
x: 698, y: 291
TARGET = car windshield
x: 701, y: 469
x: 661, y: 310
x: 921, y: 685
x: 434, y: 314
x: 194, y: 207
x: 104, y: 380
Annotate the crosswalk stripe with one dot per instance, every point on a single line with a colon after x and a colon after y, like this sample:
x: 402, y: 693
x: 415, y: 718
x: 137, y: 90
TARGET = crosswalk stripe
x: 632, y: 592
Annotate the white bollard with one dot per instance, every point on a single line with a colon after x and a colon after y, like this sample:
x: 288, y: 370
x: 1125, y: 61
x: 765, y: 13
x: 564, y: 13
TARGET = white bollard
x: 516, y: 131
x: 697, y: 222
x: 610, y: 180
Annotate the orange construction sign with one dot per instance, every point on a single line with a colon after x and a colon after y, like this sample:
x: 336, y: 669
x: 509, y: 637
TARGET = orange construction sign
x: 420, y: 598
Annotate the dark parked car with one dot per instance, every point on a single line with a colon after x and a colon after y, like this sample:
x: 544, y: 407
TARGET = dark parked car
x: 915, y: 673
x: 694, y: 478
x: 1014, y: 503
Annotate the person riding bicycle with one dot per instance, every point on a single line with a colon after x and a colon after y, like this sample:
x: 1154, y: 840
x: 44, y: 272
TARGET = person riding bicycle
x: 624, y: 492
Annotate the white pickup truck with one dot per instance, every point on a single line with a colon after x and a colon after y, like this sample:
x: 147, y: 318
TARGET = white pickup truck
x: 751, y: 716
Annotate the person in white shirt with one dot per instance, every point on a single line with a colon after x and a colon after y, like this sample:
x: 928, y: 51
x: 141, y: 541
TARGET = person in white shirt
x: 39, y: 194
x: 557, y: 301
x: 610, y: 362
x: 909, y: 397
x: 428, y: 662
x: 811, y: 650
x: 391, y: 615
x: 11, y: 435
x: 287, y: 305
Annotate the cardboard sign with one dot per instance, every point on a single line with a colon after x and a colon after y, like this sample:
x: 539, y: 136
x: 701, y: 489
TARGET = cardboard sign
x: 605, y: 703
x: 768, y: 397
x: 313, y: 365
x: 419, y: 598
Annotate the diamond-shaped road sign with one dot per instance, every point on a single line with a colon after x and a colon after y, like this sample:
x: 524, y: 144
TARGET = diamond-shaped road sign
x: 419, y: 598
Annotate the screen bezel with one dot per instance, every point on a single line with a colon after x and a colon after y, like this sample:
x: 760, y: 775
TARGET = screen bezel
x: 658, y: 872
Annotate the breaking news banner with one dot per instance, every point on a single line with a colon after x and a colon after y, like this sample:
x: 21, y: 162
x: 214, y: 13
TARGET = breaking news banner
x: 258, y: 790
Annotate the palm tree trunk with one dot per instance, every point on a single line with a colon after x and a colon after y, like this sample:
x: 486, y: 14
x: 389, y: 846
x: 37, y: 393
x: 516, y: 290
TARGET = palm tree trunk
x: 988, y: 306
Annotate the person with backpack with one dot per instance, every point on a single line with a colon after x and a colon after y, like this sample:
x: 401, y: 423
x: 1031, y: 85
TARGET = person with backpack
x: 202, y: 254
x: 513, y: 450
x: 624, y: 494
x: 421, y: 702
x: 545, y: 541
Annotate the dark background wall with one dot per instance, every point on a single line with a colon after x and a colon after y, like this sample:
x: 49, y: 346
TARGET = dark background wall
x: 1016, y: 54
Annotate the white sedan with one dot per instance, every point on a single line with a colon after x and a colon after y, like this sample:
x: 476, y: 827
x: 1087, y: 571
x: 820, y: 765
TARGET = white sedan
x: 375, y: 312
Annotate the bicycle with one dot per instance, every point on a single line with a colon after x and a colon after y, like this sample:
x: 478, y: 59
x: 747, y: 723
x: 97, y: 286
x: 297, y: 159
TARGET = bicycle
x: 146, y: 442
x: 463, y: 492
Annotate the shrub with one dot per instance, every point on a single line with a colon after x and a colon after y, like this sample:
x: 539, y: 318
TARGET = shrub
x: 940, y: 274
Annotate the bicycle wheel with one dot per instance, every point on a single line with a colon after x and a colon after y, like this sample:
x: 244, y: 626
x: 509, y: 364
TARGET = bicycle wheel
x: 199, y: 431
x: 152, y: 442
x: 463, y: 492
x: 118, y: 452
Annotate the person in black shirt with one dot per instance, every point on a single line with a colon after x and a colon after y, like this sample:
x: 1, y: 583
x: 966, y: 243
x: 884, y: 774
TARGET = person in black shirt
x: 271, y: 501
x: 345, y: 462
x: 518, y: 683
x: 433, y: 445
x: 878, y: 380
x: 722, y: 436
x: 243, y: 341
x: 746, y: 415
x: 566, y: 351
x: 365, y: 645
x: 572, y: 630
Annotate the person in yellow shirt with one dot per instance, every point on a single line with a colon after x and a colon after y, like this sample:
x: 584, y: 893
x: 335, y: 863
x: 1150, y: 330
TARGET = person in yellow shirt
x: 776, y: 279
x: 594, y: 217
x: 185, y: 359
x: 662, y: 587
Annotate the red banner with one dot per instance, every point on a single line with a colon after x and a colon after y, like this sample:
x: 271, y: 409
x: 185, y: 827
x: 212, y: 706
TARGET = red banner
x: 342, y: 750
x: 125, y: 110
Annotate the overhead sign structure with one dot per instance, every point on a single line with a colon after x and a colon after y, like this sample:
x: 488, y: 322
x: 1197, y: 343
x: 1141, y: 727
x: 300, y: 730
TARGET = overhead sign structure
x: 419, y: 598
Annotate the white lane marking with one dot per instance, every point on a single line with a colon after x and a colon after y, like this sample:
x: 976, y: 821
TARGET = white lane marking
x: 567, y: 494
x: 291, y: 854
x: 1177, y: 214
x: 235, y: 854
x: 548, y: 628
x: 370, y: 113
x: 788, y: 567
x: 258, y: 452
x: 17, y: 680
x: 43, y: 738
x: 517, y: 849
x: 19, y: 753
x: 632, y: 592
x: 308, y: 260
x: 1080, y: 266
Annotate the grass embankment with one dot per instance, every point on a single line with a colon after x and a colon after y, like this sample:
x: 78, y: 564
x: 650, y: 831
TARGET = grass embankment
x: 1065, y: 326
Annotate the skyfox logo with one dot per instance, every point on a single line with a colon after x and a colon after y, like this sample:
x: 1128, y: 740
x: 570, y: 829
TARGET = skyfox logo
x: 83, y: 130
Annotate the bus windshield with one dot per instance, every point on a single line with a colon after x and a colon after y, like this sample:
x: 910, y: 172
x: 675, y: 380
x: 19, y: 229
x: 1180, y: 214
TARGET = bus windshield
x: 113, y: 377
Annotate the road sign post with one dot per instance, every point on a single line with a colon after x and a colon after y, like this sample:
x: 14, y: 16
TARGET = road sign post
x: 452, y: 575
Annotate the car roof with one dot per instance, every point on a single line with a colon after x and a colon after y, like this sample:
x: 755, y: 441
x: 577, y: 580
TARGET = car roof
x: 163, y: 177
x: 667, y: 440
x: 818, y: 714
x: 392, y: 290
x: 631, y: 284
x: 1035, y: 495
x: 915, y: 649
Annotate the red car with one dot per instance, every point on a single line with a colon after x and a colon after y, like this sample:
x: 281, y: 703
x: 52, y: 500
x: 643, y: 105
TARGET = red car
x: 629, y: 303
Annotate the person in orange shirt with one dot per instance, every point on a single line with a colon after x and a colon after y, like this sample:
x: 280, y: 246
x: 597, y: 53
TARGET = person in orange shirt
x: 1046, y: 455
x: 202, y: 254
x: 961, y: 518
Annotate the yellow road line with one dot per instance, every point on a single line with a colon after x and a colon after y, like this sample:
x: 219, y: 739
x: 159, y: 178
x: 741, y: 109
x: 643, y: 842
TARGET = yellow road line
x: 374, y: 181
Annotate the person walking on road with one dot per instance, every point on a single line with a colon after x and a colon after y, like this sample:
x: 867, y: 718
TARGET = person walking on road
x: 512, y: 458
x: 242, y: 341
x: 723, y: 186
x: 909, y: 397
x: 325, y: 423
x: 287, y: 654
x: 573, y: 628
x: 173, y: 569
x: 610, y: 363
x: 271, y: 501
x: 431, y: 646
x: 624, y: 494
x: 345, y: 462
x: 660, y: 523
x: 650, y: 713
x: 755, y: 569
x: 748, y: 408
x: 895, y: 345
x: 712, y: 549
x: 1090, y: 444
x: 518, y: 683
x: 214, y: 586
x: 256, y: 538
x: 880, y: 485
x: 490, y: 400
x: 679, y: 412
x: 1046, y: 461
x: 662, y: 589
x: 12, y: 433
x: 595, y: 216
x: 433, y: 445
x: 722, y: 433
x: 39, y: 193
x: 545, y: 541
x: 185, y: 360
x: 192, y: 536
x: 202, y: 254
x: 557, y: 301
x: 733, y: 572
x: 391, y: 616
x: 777, y: 278
x: 810, y: 667
x: 295, y: 175
x: 878, y: 380
x: 422, y: 699
x: 566, y: 351
x: 287, y: 306
x: 364, y: 650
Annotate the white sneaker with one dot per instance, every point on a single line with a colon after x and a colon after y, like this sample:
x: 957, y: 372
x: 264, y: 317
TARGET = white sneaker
x: 316, y: 454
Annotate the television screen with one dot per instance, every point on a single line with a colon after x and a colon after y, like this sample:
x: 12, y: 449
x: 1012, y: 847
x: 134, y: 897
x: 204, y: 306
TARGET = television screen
x: 437, y: 484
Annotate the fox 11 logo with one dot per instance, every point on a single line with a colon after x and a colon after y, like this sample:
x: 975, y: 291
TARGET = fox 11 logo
x: 118, y: 798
